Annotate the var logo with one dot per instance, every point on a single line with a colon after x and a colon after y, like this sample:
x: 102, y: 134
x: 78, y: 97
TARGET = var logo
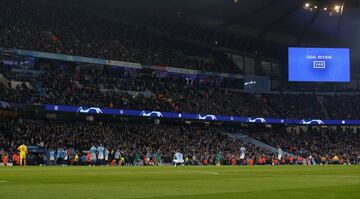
x: 319, y: 64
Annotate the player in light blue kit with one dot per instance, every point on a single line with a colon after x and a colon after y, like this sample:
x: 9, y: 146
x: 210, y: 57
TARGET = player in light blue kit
x: 52, y: 157
x: 101, y: 154
x: 279, y: 153
x: 242, y: 155
x: 93, y: 151
x: 178, y: 158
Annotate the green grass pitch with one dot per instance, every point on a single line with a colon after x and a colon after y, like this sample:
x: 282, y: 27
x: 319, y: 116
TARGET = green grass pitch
x: 180, y: 182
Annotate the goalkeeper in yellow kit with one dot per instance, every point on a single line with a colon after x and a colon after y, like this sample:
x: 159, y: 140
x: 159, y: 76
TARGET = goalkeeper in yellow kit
x: 23, y: 151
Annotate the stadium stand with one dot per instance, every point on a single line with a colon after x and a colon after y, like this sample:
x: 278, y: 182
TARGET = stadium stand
x: 295, y: 105
x: 71, y: 34
x: 320, y: 143
x: 103, y: 86
x: 107, y: 87
x: 80, y: 84
x: 200, y: 145
x: 179, y: 99
x: 166, y: 94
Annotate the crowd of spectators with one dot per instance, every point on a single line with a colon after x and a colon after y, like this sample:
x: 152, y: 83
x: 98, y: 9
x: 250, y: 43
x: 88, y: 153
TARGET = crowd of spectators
x: 295, y: 106
x: 69, y: 32
x: 343, y: 106
x: 20, y: 94
x: 200, y: 145
x: 23, y: 26
x: 65, y: 31
x: 323, y: 144
x: 148, y: 144
x: 105, y: 86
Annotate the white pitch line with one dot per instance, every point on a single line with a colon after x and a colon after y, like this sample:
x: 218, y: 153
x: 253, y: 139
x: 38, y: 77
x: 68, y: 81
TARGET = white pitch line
x: 300, y: 175
x: 204, y: 172
x: 2, y: 181
x: 177, y: 172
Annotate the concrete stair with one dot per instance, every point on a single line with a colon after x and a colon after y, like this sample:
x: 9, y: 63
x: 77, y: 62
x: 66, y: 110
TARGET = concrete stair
x: 247, y: 139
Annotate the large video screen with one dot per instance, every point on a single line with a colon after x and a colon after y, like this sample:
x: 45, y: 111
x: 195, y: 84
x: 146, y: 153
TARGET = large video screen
x: 319, y: 64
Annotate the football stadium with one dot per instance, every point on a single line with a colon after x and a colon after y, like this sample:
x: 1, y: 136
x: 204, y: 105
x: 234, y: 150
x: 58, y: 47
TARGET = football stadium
x: 179, y: 99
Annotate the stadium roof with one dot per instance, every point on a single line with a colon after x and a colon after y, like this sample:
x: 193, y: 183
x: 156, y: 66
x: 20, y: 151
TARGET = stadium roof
x: 245, y: 25
x: 279, y: 20
x: 275, y: 20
